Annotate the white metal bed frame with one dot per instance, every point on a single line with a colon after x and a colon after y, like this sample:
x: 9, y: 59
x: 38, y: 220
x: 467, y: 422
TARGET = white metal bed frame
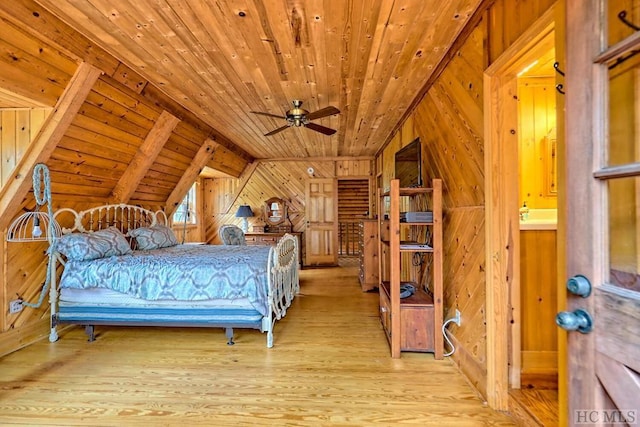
x: 282, y: 271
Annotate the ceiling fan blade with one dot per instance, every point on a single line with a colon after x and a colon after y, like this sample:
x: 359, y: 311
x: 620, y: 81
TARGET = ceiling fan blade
x: 280, y: 129
x: 321, y: 129
x: 323, y: 112
x: 268, y: 114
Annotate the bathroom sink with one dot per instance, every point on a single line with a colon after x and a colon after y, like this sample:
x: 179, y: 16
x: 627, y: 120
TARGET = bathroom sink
x: 540, y: 219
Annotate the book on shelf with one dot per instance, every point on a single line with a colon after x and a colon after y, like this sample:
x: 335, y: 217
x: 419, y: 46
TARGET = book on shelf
x: 406, y: 245
x: 416, y: 216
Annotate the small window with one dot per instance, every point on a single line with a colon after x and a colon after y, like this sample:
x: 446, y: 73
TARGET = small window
x: 187, y: 208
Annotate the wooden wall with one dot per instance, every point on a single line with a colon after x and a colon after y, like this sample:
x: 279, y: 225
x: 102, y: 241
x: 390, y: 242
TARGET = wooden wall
x: 537, y: 137
x: 110, y: 137
x: 273, y: 178
x: 450, y: 123
x: 508, y: 21
x: 119, y: 112
x: 539, y: 302
x: 17, y: 128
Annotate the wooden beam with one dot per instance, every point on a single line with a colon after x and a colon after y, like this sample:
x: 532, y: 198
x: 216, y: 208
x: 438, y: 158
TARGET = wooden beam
x: 201, y: 158
x: 47, y: 139
x: 144, y: 158
x: 228, y: 162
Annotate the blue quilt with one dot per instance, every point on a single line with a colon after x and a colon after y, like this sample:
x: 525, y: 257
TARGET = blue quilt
x: 182, y: 272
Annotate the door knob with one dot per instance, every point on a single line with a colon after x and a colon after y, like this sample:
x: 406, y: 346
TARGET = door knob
x: 579, y: 285
x: 578, y: 320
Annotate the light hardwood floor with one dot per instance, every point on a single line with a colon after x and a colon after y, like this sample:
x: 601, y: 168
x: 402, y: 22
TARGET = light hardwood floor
x: 330, y: 366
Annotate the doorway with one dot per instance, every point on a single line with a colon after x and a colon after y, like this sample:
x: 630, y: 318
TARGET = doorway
x: 353, y: 206
x: 537, y: 390
x: 503, y: 199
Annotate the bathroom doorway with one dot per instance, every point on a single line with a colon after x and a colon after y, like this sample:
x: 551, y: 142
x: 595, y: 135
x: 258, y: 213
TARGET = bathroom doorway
x: 505, y: 327
x: 537, y: 91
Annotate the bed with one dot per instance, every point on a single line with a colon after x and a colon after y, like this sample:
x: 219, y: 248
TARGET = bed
x: 123, y: 266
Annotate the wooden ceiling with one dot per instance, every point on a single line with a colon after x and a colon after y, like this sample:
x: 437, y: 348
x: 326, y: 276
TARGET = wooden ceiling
x: 222, y: 59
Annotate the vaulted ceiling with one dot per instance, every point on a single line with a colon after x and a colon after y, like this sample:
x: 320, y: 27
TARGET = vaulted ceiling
x: 223, y: 59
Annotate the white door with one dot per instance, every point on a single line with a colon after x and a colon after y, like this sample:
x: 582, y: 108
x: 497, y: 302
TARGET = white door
x: 603, y: 210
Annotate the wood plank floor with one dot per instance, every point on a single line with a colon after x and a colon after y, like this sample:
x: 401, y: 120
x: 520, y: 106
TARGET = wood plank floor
x: 330, y: 366
x: 534, y: 407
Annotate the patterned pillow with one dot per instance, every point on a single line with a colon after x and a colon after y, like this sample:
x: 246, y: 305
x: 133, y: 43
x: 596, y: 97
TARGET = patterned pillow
x: 88, y: 246
x: 115, y: 241
x: 155, y: 237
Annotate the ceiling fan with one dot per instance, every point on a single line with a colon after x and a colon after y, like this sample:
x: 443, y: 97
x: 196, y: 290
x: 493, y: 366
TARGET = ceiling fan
x: 298, y: 116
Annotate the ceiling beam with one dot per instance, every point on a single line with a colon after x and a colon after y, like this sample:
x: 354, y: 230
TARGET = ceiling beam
x: 144, y: 158
x: 201, y: 158
x: 41, y: 148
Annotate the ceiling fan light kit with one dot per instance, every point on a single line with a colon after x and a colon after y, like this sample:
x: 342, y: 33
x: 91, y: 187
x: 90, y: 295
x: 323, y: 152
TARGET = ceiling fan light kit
x: 298, y: 117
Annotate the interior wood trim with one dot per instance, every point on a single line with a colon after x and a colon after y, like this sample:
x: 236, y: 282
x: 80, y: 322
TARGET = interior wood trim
x: 619, y: 49
x: 501, y: 214
x: 623, y: 171
x: 47, y: 139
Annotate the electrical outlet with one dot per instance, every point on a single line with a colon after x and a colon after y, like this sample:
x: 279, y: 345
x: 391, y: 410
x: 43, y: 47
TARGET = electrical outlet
x: 458, y: 319
x: 15, y: 306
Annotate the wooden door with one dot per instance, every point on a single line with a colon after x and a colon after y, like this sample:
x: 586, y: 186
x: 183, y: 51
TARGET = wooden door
x: 321, y: 233
x: 603, y: 211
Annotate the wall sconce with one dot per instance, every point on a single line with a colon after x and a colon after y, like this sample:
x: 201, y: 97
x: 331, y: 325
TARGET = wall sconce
x: 39, y: 226
x: 244, y: 212
x: 33, y: 227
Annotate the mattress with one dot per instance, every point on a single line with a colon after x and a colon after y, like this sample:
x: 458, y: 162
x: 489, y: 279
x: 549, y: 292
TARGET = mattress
x: 108, y: 297
x: 104, y: 306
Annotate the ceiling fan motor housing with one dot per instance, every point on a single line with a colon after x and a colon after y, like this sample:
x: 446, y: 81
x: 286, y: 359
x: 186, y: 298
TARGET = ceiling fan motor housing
x: 297, y: 115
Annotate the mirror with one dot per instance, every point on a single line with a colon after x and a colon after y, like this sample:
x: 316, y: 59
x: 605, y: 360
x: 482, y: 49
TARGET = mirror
x: 275, y: 211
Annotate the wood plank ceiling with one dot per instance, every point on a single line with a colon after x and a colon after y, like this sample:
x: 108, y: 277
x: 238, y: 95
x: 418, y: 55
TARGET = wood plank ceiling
x: 223, y: 59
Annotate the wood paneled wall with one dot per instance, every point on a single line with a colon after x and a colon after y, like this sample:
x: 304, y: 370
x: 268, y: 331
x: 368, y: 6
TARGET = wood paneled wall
x: 508, y: 21
x: 539, y: 305
x: 274, y: 178
x: 120, y: 111
x: 90, y: 159
x: 450, y: 123
x: 537, y: 138
x: 18, y: 127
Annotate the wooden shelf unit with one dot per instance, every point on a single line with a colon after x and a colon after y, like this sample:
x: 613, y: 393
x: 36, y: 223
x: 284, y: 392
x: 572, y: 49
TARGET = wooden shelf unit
x: 413, y: 323
x: 368, y: 254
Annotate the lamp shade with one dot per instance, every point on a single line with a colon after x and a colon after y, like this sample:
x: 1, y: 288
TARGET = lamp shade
x: 244, y: 211
x: 33, y: 227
